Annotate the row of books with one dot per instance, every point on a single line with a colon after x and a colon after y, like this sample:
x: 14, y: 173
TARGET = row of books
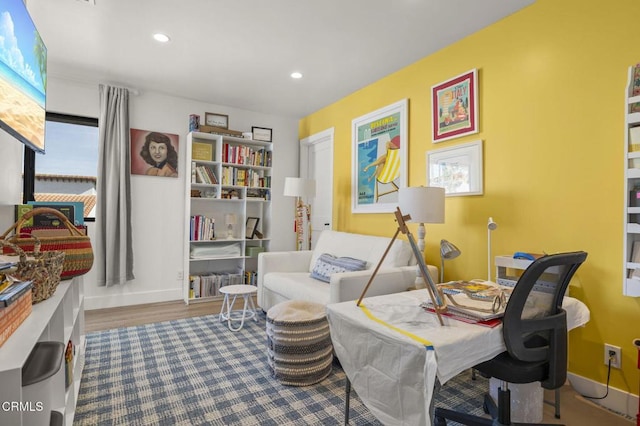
x: 203, y: 174
x: 202, y: 228
x: 209, y: 285
x: 245, y: 155
x: 244, y: 177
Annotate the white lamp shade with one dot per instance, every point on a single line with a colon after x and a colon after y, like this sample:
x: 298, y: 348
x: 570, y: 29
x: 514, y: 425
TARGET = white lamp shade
x: 230, y: 219
x: 299, y: 187
x: 425, y: 204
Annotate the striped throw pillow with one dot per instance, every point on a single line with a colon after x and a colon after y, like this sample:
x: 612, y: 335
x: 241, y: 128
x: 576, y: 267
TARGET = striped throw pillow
x: 328, y: 264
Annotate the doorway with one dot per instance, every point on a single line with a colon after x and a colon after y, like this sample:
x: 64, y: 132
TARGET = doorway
x: 316, y: 162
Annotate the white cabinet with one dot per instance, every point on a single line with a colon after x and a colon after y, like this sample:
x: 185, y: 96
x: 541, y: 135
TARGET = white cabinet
x: 230, y: 182
x: 61, y: 319
x: 631, y: 240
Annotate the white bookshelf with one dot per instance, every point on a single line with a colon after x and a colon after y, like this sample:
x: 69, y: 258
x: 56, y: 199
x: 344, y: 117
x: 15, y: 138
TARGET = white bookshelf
x: 252, y: 199
x: 59, y: 318
x: 631, y: 231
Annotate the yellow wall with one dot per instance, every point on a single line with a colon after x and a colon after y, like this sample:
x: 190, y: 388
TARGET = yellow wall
x: 551, y: 98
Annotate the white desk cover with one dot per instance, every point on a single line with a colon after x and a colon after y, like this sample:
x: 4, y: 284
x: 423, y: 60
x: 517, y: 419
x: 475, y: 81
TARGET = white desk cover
x: 393, y: 374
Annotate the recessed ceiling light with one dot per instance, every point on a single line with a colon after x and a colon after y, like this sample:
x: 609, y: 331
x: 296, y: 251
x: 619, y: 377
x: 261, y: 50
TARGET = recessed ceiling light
x: 162, y: 38
x: 296, y: 75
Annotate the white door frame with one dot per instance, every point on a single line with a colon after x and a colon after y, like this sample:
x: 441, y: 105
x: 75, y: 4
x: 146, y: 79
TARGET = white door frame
x: 325, y: 136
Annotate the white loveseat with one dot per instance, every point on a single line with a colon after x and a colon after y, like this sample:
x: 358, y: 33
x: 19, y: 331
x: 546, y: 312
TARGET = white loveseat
x: 286, y: 275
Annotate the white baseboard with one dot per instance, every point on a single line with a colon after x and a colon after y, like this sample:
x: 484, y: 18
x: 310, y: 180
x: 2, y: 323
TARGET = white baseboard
x: 617, y: 400
x: 117, y: 300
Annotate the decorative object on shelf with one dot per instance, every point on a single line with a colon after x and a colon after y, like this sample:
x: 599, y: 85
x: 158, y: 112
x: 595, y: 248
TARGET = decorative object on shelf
x: 220, y: 131
x: 454, y: 106
x: 202, y: 151
x: 491, y: 226
x: 458, y: 169
x: 263, y: 134
x: 448, y: 251
x: 195, y: 193
x: 379, y: 153
x: 78, y: 258
x: 154, y: 153
x: 247, y: 135
x: 252, y: 225
x: 216, y: 120
x: 423, y: 204
x: 301, y: 188
x: 194, y: 122
x: 437, y: 300
x: 40, y: 268
x: 230, y: 219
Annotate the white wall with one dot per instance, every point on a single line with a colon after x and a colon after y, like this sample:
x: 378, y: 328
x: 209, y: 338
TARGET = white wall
x: 158, y: 203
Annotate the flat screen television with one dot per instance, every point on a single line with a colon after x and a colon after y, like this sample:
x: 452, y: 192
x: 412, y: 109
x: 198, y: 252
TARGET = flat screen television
x: 23, y: 75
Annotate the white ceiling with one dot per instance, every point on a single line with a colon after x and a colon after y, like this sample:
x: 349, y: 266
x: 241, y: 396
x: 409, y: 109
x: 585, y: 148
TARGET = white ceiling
x: 240, y: 53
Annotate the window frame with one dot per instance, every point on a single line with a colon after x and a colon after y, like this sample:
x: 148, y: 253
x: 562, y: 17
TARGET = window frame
x: 29, y: 162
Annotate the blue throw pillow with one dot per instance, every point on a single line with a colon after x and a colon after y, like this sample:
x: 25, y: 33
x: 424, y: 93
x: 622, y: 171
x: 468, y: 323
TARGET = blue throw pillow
x: 328, y: 264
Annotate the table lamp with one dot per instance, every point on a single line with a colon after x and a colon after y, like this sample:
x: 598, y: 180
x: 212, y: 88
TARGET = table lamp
x: 491, y: 226
x: 230, y: 219
x: 425, y: 204
x: 447, y: 251
x: 301, y: 188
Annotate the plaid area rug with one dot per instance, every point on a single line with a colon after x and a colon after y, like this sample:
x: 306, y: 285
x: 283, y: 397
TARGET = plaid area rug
x: 196, y: 371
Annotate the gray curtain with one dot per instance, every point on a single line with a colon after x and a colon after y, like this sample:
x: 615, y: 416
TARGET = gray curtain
x: 114, y: 246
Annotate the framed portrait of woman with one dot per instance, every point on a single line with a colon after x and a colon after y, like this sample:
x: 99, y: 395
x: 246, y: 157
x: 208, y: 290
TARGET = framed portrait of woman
x: 154, y: 153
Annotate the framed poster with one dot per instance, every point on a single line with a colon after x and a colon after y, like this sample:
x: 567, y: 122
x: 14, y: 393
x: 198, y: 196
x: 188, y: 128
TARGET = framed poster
x: 457, y: 169
x: 154, y: 153
x: 379, y: 159
x: 454, y: 106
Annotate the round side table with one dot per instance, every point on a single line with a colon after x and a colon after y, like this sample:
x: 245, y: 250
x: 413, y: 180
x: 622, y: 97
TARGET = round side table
x: 226, y: 311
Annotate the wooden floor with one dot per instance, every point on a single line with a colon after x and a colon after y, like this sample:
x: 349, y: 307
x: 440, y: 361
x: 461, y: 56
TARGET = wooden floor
x: 575, y: 410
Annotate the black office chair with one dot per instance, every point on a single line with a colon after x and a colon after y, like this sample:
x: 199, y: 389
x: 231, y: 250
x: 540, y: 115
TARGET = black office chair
x: 535, y: 334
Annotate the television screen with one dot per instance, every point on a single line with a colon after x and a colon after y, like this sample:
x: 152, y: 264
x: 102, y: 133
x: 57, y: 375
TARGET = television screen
x: 23, y: 75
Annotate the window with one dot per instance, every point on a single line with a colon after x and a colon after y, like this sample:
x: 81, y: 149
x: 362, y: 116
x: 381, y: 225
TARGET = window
x: 68, y: 169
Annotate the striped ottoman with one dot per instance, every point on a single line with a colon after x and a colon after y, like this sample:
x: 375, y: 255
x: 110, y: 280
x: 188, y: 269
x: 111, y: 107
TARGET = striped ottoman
x: 299, y: 346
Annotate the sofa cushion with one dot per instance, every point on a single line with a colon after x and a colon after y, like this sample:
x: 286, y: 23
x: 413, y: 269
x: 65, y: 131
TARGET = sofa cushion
x: 297, y: 286
x: 328, y: 264
x: 366, y: 247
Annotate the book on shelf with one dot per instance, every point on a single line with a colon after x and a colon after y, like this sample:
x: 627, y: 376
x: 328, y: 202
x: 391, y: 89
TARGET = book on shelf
x: 13, y: 292
x: 634, y: 139
x: 635, y: 258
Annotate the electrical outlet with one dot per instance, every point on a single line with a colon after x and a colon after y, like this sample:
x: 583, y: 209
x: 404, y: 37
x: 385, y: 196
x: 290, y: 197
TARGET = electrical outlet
x: 180, y: 275
x: 615, y: 353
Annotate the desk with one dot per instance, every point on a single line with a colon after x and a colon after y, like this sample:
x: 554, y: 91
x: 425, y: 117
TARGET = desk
x: 393, y: 373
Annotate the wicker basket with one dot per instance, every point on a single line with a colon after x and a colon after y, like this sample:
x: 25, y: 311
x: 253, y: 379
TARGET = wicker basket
x: 43, y: 268
x: 76, y: 246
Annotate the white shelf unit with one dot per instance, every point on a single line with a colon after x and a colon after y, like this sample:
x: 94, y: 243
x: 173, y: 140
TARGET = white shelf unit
x: 59, y: 318
x: 631, y: 231
x: 509, y: 270
x: 253, y: 200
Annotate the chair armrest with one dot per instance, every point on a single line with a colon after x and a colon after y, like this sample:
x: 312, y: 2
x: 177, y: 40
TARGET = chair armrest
x: 281, y: 261
x: 349, y: 285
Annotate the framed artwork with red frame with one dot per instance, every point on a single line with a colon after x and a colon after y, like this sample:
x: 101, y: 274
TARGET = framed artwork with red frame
x: 454, y: 105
